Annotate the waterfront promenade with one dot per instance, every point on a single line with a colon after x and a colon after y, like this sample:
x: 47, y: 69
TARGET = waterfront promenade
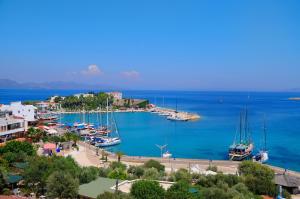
x: 87, y: 156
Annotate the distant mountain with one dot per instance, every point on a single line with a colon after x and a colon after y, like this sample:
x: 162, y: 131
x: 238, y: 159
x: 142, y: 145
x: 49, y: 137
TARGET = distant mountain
x: 11, y: 84
x: 295, y: 89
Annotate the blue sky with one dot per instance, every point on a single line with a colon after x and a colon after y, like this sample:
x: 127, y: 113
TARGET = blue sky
x: 186, y: 45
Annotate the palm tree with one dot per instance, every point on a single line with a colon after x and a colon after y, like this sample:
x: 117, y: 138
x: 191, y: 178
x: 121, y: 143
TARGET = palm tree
x: 119, y: 154
x: 75, y: 138
x: 34, y: 134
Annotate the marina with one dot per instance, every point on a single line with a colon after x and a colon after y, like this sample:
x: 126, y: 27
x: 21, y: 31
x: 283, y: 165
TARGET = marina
x: 205, y: 138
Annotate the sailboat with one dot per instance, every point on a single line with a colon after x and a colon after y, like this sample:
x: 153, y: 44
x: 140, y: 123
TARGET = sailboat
x: 108, y: 140
x: 242, y: 149
x: 164, y: 153
x: 263, y: 155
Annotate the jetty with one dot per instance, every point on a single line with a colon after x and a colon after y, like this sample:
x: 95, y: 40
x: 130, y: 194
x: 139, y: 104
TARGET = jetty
x: 174, y: 114
x: 294, y: 98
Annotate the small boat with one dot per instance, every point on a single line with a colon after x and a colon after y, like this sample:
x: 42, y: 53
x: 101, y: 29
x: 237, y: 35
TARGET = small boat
x: 263, y: 154
x: 242, y: 149
x: 106, y: 142
x: 167, y: 154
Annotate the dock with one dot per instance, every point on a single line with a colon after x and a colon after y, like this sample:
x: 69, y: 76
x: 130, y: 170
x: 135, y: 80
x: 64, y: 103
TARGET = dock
x: 175, y: 115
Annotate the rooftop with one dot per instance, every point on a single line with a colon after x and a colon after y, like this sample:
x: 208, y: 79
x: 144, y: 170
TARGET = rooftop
x: 287, y: 180
x: 97, y: 187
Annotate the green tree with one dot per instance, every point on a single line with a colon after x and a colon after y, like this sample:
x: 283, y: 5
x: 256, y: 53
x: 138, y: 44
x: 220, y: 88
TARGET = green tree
x: 88, y: 174
x: 151, y: 174
x: 35, y: 134
x: 258, y: 178
x: 58, y: 99
x: 37, y: 173
x: 118, y: 174
x: 16, y: 147
x: 154, y: 164
x: 61, y: 184
x: 137, y: 171
x: 147, y: 190
x: 179, y: 190
x: 114, y: 165
x: 3, y: 177
x: 181, y: 175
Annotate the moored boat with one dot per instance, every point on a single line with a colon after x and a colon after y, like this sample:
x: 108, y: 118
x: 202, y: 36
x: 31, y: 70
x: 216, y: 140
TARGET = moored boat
x: 243, y: 148
x: 263, y: 154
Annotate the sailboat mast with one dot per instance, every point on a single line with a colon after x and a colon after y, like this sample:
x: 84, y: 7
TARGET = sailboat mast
x: 246, y: 125
x: 100, y: 117
x: 106, y: 112
x: 241, y: 126
x: 265, y: 135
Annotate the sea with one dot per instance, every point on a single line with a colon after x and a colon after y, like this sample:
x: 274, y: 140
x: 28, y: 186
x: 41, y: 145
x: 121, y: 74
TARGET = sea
x: 207, y: 138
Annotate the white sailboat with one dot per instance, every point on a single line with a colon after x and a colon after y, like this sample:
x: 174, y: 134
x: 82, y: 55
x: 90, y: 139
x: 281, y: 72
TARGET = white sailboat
x: 263, y: 154
x: 108, y: 140
x: 164, y: 153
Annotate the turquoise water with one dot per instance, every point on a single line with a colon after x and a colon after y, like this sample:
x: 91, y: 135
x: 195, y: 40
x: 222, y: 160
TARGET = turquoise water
x: 209, y: 137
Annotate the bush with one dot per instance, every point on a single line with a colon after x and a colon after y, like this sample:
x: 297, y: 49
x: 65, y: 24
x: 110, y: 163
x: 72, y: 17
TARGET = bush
x: 136, y: 171
x: 179, y: 190
x: 258, y: 178
x: 103, y: 172
x: 62, y: 185
x: 212, y: 168
x: 17, y: 147
x: 115, y: 165
x: 181, y: 175
x: 88, y: 174
x: 154, y: 164
x: 118, y: 173
x: 151, y: 174
x: 147, y: 190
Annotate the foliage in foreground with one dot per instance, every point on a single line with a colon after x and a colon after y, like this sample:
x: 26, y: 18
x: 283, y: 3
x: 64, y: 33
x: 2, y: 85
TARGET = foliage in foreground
x: 258, y: 178
x: 61, y: 184
x: 147, y: 190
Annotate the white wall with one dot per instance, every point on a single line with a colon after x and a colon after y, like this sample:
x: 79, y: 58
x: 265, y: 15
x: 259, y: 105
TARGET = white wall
x: 25, y: 111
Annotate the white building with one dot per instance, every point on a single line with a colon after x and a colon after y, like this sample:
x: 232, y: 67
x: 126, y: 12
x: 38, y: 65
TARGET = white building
x: 11, y: 127
x: 28, y: 112
x: 116, y: 95
x: 43, y: 106
x: 83, y: 94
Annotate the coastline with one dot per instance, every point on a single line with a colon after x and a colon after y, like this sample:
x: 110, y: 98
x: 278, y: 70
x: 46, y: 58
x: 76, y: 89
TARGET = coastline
x: 159, y: 110
x: 89, y: 152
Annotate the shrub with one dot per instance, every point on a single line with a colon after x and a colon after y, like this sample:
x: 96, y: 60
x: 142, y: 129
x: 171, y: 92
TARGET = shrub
x: 103, y: 172
x: 16, y: 147
x: 212, y: 168
x: 147, y: 190
x: 151, y: 174
x: 258, y: 178
x: 88, y: 174
x: 179, y: 190
x: 114, y: 165
x: 62, y: 185
x: 118, y: 173
x: 181, y: 175
x: 136, y: 171
x: 154, y: 164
